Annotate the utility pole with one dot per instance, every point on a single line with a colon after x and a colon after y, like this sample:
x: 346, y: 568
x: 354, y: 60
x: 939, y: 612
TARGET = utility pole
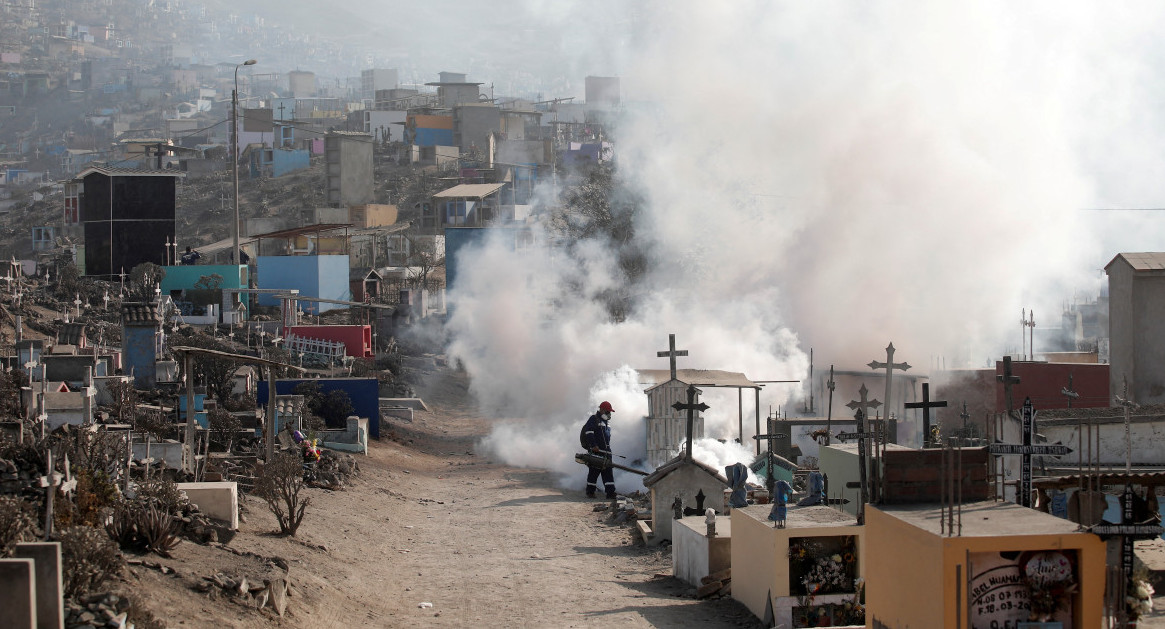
x: 235, y: 150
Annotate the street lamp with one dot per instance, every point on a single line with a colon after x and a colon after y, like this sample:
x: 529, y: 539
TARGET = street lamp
x: 235, y: 148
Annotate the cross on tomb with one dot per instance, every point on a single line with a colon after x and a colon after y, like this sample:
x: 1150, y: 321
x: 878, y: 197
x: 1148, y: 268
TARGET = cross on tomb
x: 691, y: 407
x: 831, y: 385
x: 1128, y: 405
x: 1127, y: 530
x: 1069, y: 392
x: 77, y: 302
x: 926, y: 404
x: 1007, y: 379
x: 889, y: 366
x: 964, y: 416
x: 1026, y: 450
x: 862, y: 407
x: 769, y: 455
x: 49, y: 482
x: 672, y: 353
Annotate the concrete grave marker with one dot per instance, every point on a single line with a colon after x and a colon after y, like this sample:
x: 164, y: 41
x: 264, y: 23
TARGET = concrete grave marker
x: 18, y: 593
x: 50, y: 612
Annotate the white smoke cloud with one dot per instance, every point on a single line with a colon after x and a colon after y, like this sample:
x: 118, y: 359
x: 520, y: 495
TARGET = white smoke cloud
x: 835, y: 176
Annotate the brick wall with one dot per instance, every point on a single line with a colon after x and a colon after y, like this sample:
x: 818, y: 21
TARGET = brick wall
x: 914, y: 476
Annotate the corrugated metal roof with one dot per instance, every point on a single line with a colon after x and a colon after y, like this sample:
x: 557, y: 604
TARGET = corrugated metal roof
x: 698, y: 377
x: 109, y: 171
x: 1148, y: 261
x: 475, y: 190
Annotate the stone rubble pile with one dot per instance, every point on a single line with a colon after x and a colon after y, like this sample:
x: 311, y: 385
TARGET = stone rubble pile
x: 97, y: 610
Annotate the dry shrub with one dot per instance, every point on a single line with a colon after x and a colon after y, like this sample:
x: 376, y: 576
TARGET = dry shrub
x: 89, y: 557
x: 17, y: 523
x: 135, y: 527
x: 162, y: 493
x: 279, y: 484
x: 95, y: 494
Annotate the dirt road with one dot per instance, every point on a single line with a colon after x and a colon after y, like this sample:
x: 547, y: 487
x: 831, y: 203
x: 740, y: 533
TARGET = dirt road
x: 430, y: 521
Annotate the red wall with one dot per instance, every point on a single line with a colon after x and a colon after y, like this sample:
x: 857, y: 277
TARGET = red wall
x: 1042, y: 382
x: 357, y: 339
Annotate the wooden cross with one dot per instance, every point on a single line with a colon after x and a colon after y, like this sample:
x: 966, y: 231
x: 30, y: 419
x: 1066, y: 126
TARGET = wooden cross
x: 49, y: 483
x: 862, y: 407
x: 1007, y: 379
x: 926, y: 404
x: 889, y: 366
x: 672, y: 353
x: 121, y: 293
x: 1069, y: 392
x: 691, y: 407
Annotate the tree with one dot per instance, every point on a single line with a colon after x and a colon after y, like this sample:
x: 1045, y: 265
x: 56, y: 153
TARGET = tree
x: 142, y: 281
x: 423, y: 260
x: 279, y: 485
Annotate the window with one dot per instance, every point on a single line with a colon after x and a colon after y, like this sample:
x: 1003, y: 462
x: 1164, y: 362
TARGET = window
x: 455, y: 212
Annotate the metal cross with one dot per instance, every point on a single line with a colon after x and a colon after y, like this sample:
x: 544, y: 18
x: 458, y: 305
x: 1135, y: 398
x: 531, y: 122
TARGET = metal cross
x: 691, y: 407
x: 1069, y: 392
x: 831, y: 385
x: 890, y: 366
x: 671, y: 353
x: 862, y: 407
x: 964, y: 416
x: 926, y: 404
x: 770, y: 482
x: 1028, y: 336
x: 1007, y: 379
x: 1127, y: 404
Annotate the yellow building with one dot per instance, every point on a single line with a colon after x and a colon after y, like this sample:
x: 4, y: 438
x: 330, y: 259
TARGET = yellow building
x: 773, y: 568
x: 1007, y: 559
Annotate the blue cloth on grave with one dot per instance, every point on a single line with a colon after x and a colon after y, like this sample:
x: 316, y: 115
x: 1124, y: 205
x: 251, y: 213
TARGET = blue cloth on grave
x: 782, y: 493
x: 737, y: 474
x: 816, y: 491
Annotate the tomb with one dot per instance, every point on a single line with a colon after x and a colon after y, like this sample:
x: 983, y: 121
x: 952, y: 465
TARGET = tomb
x: 18, y: 593
x: 354, y: 437
x: 804, y: 574
x: 219, y: 500
x: 695, y: 553
x: 694, y: 484
x: 46, y: 557
x: 1005, y: 560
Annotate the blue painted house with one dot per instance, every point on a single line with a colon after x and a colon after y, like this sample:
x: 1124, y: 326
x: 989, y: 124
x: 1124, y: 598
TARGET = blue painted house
x: 325, y: 277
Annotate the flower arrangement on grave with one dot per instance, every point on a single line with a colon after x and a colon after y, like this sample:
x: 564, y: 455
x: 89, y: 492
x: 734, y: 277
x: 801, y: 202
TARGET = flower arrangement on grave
x: 1139, y: 598
x: 1049, y: 576
x: 823, y: 568
x: 853, y: 610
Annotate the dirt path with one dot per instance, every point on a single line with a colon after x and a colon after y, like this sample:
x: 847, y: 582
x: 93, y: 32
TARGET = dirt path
x: 429, y: 521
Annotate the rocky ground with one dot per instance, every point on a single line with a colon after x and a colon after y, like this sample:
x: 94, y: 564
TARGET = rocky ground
x: 431, y: 534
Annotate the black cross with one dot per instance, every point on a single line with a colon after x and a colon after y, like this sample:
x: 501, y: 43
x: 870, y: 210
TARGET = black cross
x: 926, y: 404
x: 1026, y: 450
x: 770, y: 482
x: 861, y: 407
x: 1069, y: 392
x: 691, y: 407
x: 671, y: 353
x: 831, y: 385
x: 1007, y: 379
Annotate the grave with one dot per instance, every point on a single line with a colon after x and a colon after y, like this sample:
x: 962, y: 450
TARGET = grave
x: 46, y: 556
x: 771, y: 566
x: 18, y: 593
x: 683, y: 479
x: 1004, y: 558
x: 219, y: 500
x: 354, y: 438
x: 695, y: 554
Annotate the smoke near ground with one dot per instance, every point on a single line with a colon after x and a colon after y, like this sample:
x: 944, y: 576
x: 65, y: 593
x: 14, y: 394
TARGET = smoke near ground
x: 834, y: 176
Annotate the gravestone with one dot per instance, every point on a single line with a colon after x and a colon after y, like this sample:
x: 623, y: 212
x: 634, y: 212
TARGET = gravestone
x: 50, y: 612
x: 17, y: 593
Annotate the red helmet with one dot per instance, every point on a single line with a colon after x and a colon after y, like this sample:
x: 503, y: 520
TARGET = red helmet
x: 606, y: 406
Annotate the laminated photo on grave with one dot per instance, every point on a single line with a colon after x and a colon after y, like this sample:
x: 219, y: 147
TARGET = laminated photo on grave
x: 1011, y: 587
